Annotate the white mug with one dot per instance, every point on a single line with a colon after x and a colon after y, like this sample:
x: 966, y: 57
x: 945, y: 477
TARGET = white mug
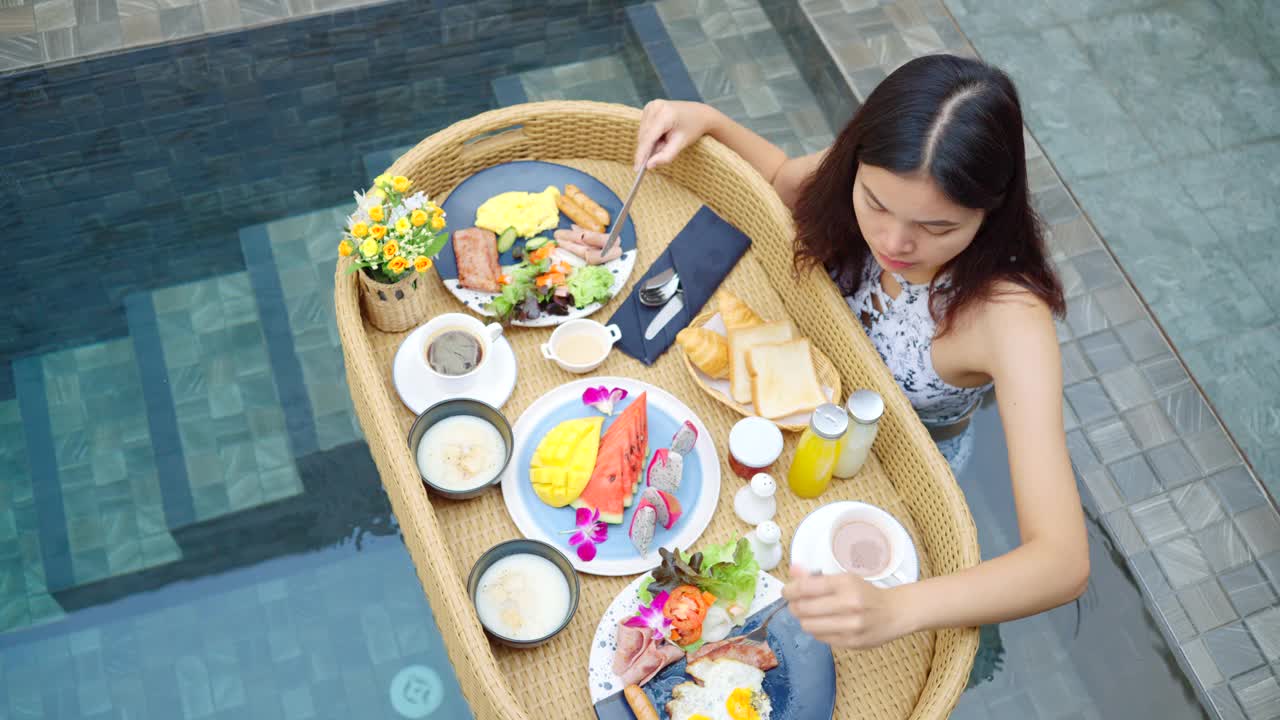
x: 608, y: 335
x: 895, y: 572
x: 487, y: 335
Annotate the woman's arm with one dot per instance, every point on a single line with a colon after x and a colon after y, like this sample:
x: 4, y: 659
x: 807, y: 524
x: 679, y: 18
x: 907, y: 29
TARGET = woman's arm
x: 668, y: 126
x: 1014, y: 342
x: 1018, y: 347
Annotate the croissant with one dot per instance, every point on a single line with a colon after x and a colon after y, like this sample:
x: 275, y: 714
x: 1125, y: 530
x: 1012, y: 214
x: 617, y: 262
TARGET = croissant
x: 707, y: 349
x: 736, y: 313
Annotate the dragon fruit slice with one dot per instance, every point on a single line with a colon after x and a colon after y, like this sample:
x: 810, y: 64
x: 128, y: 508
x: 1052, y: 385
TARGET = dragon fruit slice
x: 682, y: 442
x: 643, y: 524
x: 665, y: 470
x: 665, y: 503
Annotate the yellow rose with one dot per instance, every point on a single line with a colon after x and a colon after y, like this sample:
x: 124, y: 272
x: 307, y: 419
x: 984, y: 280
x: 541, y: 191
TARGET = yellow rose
x: 382, y: 179
x: 377, y: 231
x: 360, y: 229
x: 376, y: 214
x: 418, y: 218
x: 437, y: 222
x: 379, y: 193
x: 400, y: 183
x: 390, y: 249
x: 402, y: 226
x: 344, y: 248
x: 422, y: 264
x: 369, y: 247
x: 397, y: 264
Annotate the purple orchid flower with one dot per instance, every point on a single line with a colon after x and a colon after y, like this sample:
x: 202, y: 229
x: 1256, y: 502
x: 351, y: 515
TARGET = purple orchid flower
x: 590, y: 532
x: 650, y: 616
x: 603, y: 398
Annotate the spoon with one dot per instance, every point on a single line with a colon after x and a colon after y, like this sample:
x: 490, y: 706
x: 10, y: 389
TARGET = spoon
x: 655, y: 296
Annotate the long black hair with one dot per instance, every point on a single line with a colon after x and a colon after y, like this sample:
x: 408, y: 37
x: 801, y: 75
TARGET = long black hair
x: 959, y: 122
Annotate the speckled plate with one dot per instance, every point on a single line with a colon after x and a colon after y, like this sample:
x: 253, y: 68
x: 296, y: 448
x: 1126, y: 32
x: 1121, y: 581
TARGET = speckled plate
x: 528, y: 176
x: 802, y: 687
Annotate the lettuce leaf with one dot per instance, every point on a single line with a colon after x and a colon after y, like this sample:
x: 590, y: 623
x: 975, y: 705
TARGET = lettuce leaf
x: 729, y: 572
x: 589, y: 284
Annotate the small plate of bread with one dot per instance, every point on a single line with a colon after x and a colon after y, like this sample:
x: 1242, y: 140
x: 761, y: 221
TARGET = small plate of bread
x: 757, y: 367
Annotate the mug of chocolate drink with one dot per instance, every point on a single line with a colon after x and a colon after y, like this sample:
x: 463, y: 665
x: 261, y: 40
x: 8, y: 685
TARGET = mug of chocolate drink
x: 456, y: 346
x: 871, y: 543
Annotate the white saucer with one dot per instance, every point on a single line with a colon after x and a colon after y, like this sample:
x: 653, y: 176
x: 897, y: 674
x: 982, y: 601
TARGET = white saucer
x: 419, y: 389
x: 807, y: 545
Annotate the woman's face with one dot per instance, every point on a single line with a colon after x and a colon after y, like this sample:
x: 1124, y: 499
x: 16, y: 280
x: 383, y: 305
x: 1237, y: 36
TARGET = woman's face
x: 911, y: 226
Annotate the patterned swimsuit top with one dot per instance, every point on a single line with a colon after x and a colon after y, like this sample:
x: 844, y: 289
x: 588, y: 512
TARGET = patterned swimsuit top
x: 903, y: 335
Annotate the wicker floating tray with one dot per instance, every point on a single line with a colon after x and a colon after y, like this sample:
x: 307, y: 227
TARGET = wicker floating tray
x: 919, y: 676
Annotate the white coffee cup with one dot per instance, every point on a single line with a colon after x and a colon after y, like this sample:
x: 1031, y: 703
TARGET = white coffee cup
x: 486, y: 335
x: 606, y: 336
x: 895, y: 571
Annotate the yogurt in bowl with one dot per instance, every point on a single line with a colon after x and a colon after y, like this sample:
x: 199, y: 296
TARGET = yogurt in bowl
x: 461, y: 446
x: 524, y: 591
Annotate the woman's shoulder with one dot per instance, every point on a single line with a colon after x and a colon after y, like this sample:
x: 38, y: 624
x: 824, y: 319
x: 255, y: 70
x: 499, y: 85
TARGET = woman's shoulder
x: 1004, y: 318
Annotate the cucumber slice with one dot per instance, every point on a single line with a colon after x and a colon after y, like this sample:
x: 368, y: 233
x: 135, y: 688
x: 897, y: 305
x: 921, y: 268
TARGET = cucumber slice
x: 506, y: 239
x: 535, y: 243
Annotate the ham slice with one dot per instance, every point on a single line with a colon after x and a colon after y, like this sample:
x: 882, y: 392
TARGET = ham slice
x: 582, y: 236
x: 639, y: 657
x: 587, y: 244
x: 476, y: 251
x: 758, y: 655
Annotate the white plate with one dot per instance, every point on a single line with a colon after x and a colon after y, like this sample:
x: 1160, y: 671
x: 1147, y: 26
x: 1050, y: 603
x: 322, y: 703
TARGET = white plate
x: 699, y: 492
x: 477, y: 300
x: 600, y: 677
x: 419, y: 389
x: 807, y: 545
x: 722, y: 386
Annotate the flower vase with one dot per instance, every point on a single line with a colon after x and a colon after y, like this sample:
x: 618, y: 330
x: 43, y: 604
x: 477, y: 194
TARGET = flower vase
x: 398, y: 306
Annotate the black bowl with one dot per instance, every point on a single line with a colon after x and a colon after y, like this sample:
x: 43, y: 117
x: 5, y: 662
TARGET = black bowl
x: 450, y: 408
x: 526, y: 547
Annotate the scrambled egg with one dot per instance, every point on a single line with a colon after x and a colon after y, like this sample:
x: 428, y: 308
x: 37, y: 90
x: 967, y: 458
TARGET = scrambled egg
x: 529, y: 213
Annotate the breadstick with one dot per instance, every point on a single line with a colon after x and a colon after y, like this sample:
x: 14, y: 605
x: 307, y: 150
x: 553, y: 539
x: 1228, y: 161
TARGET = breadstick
x: 577, y: 213
x: 639, y: 703
x: 600, y: 214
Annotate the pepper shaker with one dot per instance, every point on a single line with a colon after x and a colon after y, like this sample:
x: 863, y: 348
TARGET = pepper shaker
x: 755, y: 503
x: 766, y: 544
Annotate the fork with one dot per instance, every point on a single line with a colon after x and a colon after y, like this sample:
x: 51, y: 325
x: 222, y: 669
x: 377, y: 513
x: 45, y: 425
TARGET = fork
x: 761, y: 633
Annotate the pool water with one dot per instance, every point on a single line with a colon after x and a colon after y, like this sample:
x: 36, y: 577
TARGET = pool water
x: 190, y: 523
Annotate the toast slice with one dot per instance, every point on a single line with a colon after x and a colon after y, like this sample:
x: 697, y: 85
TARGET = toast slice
x: 743, y: 339
x: 783, y: 381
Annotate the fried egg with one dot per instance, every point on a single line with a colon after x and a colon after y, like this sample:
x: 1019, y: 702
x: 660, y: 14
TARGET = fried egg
x: 725, y: 690
x: 529, y: 213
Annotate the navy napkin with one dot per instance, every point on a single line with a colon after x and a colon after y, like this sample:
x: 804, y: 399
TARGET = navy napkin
x: 703, y: 253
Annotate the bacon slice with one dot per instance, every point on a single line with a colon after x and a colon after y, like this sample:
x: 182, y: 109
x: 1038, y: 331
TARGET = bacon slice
x: 476, y: 251
x: 750, y: 652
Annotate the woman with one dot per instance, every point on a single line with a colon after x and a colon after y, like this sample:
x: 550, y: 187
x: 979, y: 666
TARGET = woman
x: 920, y: 211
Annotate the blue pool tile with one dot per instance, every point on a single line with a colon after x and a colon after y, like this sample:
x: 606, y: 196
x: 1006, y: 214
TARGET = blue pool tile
x: 171, y: 467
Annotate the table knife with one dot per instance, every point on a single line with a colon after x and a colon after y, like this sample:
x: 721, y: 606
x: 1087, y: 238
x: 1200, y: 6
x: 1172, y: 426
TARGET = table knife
x: 622, y: 214
x: 668, y: 311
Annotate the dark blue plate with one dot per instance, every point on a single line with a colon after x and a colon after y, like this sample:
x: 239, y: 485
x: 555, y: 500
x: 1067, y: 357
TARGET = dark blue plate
x: 528, y: 176
x: 802, y: 687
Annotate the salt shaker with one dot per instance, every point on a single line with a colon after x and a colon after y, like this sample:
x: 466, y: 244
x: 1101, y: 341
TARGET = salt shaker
x: 754, y: 502
x: 766, y: 544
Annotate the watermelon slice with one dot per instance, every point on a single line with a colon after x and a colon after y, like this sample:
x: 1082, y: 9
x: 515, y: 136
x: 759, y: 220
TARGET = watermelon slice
x: 619, y: 463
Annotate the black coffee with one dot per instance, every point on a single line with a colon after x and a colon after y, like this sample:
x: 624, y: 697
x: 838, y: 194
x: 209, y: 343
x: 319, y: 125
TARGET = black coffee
x: 454, y: 352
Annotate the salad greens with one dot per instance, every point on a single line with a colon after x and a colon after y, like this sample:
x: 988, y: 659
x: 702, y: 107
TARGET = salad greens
x: 728, y: 571
x: 589, y: 284
x: 538, y: 284
x: 521, y: 285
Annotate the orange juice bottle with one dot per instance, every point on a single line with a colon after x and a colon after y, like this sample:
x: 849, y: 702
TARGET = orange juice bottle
x: 818, y: 450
